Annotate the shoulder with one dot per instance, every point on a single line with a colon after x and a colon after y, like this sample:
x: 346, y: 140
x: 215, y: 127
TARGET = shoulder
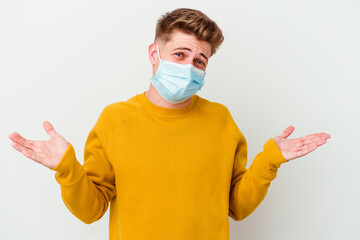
x: 221, y: 112
x: 112, y: 115
x: 212, y: 107
x: 121, y: 109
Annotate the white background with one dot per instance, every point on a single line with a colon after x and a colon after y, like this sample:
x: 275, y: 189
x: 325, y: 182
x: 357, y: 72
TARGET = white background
x: 282, y: 63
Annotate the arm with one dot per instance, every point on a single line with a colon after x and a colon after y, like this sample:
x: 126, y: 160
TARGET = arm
x: 87, y: 189
x: 250, y: 186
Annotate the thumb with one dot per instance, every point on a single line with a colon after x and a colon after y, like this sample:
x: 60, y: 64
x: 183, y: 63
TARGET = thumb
x: 287, y: 132
x: 49, y: 129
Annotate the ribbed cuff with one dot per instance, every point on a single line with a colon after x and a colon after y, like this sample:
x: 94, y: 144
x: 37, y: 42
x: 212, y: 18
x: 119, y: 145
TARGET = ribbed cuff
x: 267, y: 162
x: 273, y: 153
x: 69, y: 170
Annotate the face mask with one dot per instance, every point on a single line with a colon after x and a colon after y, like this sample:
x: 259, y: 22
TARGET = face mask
x: 177, y: 82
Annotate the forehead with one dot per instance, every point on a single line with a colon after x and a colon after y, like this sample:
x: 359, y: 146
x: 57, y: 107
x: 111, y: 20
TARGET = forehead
x: 180, y: 39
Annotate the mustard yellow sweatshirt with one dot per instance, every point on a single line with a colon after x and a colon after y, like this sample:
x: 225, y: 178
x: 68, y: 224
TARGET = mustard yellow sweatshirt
x: 168, y: 173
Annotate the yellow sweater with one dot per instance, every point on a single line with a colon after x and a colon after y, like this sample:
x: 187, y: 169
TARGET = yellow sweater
x: 168, y: 173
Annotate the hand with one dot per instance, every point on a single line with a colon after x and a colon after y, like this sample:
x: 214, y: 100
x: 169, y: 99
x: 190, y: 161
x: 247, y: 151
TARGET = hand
x: 48, y: 153
x: 298, y: 147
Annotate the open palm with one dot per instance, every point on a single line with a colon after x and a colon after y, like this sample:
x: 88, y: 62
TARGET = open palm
x: 294, y: 148
x: 48, y: 153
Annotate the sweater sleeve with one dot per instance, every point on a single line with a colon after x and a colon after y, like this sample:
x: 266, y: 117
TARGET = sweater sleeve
x: 87, y: 189
x: 250, y: 186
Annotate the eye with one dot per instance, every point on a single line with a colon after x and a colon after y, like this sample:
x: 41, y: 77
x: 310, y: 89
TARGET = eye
x: 200, y: 62
x: 179, y: 54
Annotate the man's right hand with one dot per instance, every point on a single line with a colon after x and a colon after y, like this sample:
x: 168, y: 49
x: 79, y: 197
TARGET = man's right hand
x: 48, y: 153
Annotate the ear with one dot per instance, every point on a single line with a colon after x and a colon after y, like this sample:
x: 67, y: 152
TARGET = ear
x: 153, y: 56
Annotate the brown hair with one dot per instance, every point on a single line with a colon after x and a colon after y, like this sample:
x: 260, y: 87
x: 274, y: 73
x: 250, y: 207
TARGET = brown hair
x: 189, y: 21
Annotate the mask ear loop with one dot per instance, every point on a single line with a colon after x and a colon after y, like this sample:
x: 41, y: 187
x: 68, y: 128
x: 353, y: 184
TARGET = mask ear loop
x: 157, y: 46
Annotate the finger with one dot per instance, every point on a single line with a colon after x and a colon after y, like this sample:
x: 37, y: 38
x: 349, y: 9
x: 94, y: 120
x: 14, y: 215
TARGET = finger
x: 287, y: 131
x: 17, y: 138
x: 309, y: 139
x: 319, y: 135
x: 26, y: 151
x: 311, y: 146
x: 49, y: 129
x: 316, y: 139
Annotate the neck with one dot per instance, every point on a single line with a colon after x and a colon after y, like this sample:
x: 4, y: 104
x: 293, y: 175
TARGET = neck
x: 154, y: 97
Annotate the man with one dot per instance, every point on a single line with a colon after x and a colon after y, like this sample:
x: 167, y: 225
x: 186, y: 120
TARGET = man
x: 171, y: 163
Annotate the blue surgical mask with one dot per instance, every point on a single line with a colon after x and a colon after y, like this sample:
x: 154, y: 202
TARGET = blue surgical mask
x: 177, y: 82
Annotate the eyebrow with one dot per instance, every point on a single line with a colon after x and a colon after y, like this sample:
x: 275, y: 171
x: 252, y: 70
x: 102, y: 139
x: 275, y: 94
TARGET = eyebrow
x: 188, y: 49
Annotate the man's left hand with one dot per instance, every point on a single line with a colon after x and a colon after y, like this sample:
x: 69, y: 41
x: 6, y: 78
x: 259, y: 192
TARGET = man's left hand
x: 298, y: 147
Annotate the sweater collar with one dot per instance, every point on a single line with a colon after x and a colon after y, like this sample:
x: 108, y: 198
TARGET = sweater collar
x: 168, y: 112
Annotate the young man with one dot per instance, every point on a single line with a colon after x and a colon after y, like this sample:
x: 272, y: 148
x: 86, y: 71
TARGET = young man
x: 171, y: 163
